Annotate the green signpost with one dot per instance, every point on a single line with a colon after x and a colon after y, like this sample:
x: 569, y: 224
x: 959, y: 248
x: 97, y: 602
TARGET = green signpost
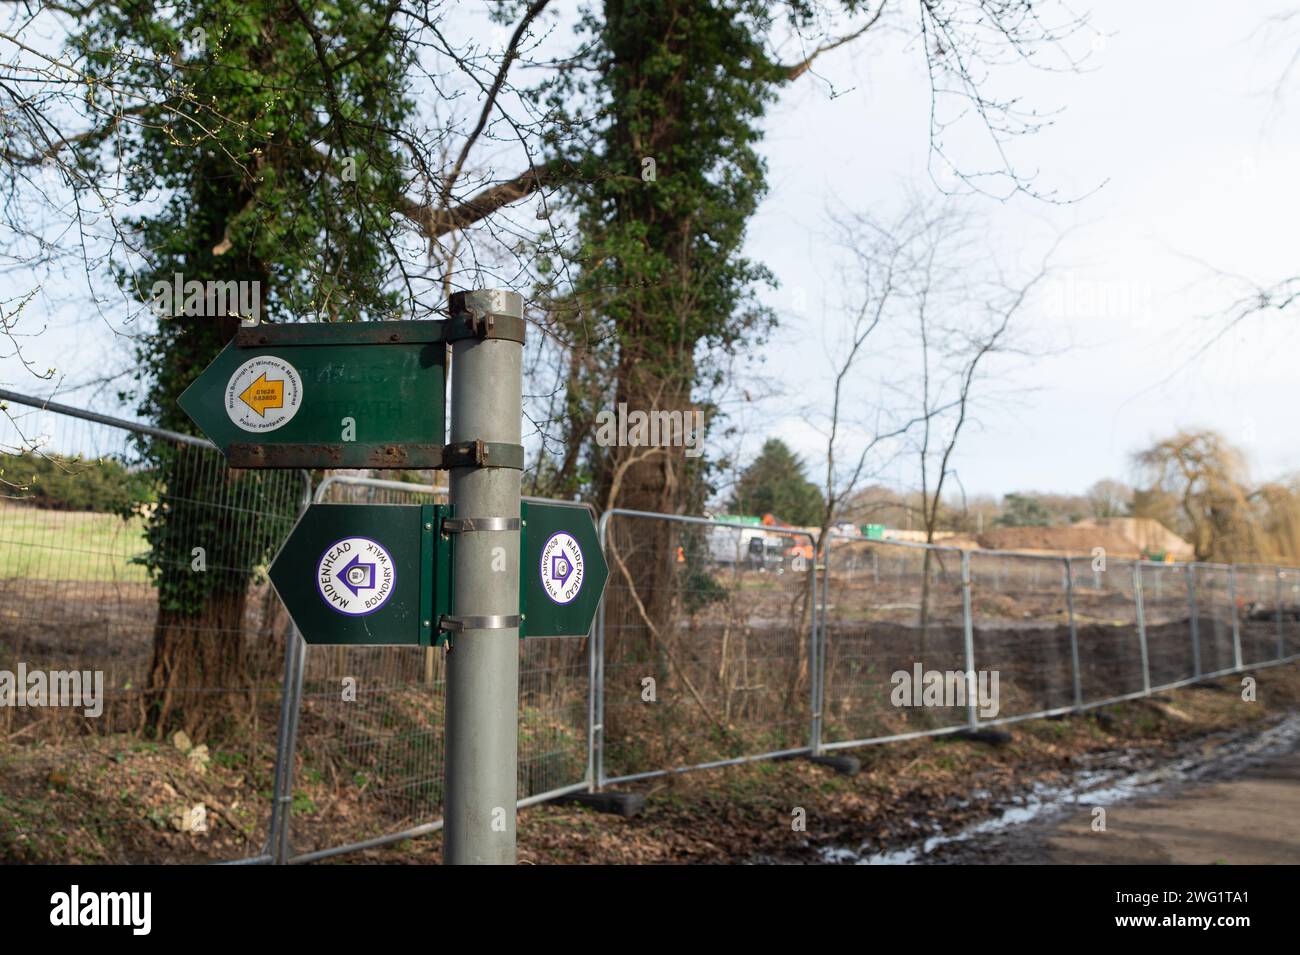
x: 374, y: 394
x: 380, y: 574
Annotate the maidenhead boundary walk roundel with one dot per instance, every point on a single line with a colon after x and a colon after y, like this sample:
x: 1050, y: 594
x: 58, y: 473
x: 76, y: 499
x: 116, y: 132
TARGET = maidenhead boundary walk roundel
x: 562, y: 568
x: 355, y: 576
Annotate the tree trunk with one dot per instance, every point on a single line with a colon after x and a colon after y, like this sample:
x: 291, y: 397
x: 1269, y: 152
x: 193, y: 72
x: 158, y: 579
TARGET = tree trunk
x: 651, y: 479
x: 198, y: 663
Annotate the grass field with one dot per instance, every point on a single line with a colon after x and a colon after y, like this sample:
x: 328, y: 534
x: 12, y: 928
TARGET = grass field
x: 38, y: 544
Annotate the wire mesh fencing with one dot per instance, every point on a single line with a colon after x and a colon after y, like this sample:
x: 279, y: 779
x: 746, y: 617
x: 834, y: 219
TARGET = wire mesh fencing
x: 707, y: 658
x: 139, y: 561
x: 1031, y: 634
x: 893, y: 614
x: 1107, y: 631
x: 136, y: 554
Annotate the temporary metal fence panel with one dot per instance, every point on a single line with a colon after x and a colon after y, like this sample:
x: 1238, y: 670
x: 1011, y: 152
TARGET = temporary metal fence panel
x: 1106, y: 626
x: 894, y: 618
x: 1020, y: 609
x: 1289, y: 602
x: 1259, y: 614
x: 712, y: 662
x: 1167, y: 600
x: 730, y: 648
x: 1214, y: 617
x: 92, y: 531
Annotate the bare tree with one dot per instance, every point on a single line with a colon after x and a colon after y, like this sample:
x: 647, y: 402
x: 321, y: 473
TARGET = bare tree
x: 929, y: 276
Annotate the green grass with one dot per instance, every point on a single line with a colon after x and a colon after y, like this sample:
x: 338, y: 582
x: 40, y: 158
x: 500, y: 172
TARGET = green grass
x: 38, y: 544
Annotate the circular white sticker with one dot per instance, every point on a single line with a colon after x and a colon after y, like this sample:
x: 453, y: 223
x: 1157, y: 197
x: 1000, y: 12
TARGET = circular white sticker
x: 562, y: 568
x: 263, y: 394
x: 355, y: 576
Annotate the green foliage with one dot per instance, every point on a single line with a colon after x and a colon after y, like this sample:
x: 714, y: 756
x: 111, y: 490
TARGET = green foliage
x: 267, y: 154
x: 239, y: 518
x: 284, y: 163
x: 685, y: 85
x: 775, y: 484
x: 59, y: 482
x: 659, y: 121
x: 699, y: 588
x: 1021, y: 510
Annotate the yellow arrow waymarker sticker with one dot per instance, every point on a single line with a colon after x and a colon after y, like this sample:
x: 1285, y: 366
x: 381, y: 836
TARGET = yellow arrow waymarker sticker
x: 263, y: 394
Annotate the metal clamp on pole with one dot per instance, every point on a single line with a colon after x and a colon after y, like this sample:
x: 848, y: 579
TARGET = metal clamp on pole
x: 471, y: 525
x: 487, y: 622
x: 486, y: 315
x: 482, y: 454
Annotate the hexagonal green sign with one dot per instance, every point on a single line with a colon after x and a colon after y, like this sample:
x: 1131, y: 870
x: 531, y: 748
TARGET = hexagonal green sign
x: 362, y: 574
x: 562, y: 571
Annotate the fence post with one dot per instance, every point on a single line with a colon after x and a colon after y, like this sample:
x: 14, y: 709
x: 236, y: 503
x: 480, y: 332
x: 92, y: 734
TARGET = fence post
x: 1277, y: 587
x: 1236, y: 628
x: 1142, y: 626
x: 968, y: 640
x: 283, y: 757
x: 286, y: 743
x: 1191, y: 610
x: 598, y: 726
x: 816, y: 643
x: 1074, y: 635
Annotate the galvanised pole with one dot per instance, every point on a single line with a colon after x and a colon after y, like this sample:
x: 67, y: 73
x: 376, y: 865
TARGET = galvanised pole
x: 1277, y: 600
x: 817, y: 640
x: 1191, y: 610
x: 1074, y: 635
x: 1142, y: 626
x: 1236, y: 626
x: 968, y: 639
x: 483, y: 662
x: 597, y: 735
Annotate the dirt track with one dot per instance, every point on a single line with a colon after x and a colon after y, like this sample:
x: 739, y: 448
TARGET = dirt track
x: 1251, y: 820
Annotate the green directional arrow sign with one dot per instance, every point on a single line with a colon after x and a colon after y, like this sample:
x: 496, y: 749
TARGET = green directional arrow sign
x: 363, y: 574
x: 380, y: 574
x: 355, y: 394
x: 561, y: 568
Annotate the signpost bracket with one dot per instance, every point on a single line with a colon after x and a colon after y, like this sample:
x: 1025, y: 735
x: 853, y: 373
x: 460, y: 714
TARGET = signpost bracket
x: 483, y: 454
x: 474, y: 525
x: 435, y: 572
x: 498, y: 621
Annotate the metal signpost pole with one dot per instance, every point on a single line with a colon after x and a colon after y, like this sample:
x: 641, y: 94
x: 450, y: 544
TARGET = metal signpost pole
x: 483, y: 663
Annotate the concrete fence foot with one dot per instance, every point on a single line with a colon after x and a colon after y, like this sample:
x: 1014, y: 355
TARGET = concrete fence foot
x: 844, y: 765
x: 614, y: 804
x: 992, y: 737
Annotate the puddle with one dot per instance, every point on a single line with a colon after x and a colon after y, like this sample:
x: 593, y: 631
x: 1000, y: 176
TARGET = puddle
x: 1117, y: 777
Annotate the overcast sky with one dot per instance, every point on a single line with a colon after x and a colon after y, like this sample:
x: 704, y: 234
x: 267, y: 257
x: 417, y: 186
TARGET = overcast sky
x: 1176, y: 116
